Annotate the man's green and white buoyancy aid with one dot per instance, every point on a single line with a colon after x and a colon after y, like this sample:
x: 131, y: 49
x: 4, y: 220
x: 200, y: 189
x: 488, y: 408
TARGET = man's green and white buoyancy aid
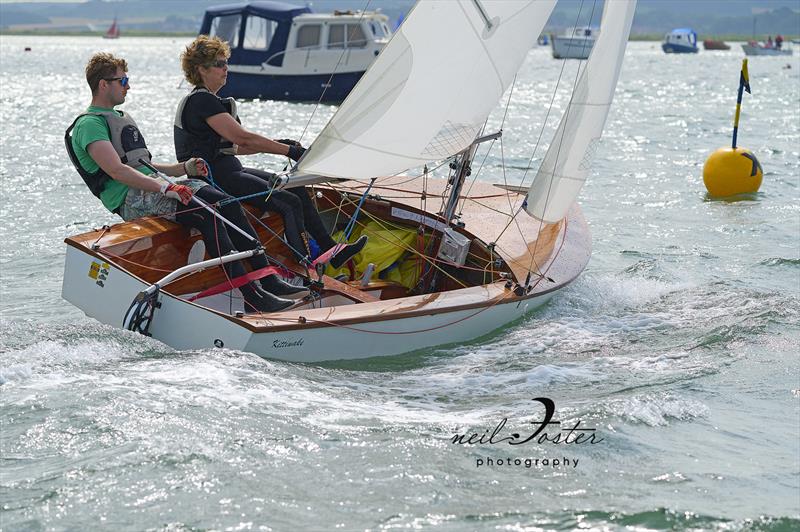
x: 188, y: 145
x: 126, y: 138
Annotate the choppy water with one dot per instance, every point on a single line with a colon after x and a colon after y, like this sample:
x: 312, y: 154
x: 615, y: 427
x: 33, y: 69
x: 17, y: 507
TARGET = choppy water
x: 678, y: 344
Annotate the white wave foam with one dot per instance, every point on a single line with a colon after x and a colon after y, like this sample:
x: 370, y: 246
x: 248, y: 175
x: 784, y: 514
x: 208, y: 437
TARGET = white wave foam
x: 659, y: 363
x: 55, y: 360
x: 550, y: 374
x: 18, y: 372
x: 656, y: 409
x: 593, y: 293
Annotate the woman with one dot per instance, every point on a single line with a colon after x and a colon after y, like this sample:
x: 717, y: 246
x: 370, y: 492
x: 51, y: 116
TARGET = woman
x: 207, y: 126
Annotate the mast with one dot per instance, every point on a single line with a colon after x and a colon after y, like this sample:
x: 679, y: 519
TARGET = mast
x: 463, y: 166
x: 464, y: 161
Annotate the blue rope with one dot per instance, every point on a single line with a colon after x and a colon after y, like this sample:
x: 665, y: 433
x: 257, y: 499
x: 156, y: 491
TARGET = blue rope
x: 239, y: 199
x: 235, y: 199
x: 352, y: 223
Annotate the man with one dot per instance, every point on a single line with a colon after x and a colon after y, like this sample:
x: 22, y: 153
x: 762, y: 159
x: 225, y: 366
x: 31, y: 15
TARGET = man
x: 105, y: 145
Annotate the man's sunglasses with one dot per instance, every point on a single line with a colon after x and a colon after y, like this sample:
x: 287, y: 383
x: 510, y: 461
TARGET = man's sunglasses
x: 122, y: 81
x: 219, y: 63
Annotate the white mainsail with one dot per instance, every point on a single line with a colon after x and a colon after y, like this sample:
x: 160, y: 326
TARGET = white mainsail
x: 566, y: 163
x: 430, y: 91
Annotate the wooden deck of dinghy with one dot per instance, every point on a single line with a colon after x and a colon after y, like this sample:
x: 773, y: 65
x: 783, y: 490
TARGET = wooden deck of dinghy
x: 149, y: 248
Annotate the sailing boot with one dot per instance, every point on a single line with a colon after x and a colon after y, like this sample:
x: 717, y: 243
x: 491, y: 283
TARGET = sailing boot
x: 258, y: 300
x: 277, y: 286
x: 348, y: 252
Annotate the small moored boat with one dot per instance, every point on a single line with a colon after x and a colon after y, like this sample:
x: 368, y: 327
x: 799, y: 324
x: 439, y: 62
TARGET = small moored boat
x: 710, y: 44
x: 574, y: 43
x: 285, y: 52
x: 680, y: 41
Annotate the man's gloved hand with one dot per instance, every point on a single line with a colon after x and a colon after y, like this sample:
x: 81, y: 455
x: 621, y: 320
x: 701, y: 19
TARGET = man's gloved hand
x: 181, y: 193
x: 195, y: 167
x: 295, y: 152
x: 290, y: 142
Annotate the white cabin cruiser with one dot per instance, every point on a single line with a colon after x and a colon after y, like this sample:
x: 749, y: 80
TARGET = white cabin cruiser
x: 285, y: 52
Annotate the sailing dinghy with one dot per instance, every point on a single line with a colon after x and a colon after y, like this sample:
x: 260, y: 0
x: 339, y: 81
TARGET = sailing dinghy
x: 456, y: 259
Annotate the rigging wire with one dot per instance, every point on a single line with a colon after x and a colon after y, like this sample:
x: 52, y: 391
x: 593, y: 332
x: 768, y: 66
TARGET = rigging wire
x: 502, y: 123
x: 566, y: 117
x: 408, y: 248
x: 335, y: 68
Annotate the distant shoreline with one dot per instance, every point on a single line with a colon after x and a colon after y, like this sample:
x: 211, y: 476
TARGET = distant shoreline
x: 653, y: 37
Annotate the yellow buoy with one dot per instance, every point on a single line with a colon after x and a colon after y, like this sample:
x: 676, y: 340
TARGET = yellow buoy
x: 729, y: 171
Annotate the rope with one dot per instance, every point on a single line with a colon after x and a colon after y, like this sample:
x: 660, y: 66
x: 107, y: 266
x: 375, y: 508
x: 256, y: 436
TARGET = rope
x: 351, y: 223
x: 239, y: 199
x: 139, y: 315
x: 401, y: 245
x: 558, y: 152
x: 237, y: 282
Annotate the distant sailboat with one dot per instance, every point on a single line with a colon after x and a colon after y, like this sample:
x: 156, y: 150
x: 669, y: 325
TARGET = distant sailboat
x: 113, y: 31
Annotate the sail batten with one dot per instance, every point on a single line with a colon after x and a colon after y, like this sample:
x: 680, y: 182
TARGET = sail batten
x: 568, y: 159
x: 428, y: 94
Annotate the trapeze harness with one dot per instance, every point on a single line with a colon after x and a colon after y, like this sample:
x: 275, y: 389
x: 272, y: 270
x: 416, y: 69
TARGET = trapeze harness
x: 188, y: 145
x: 127, y: 140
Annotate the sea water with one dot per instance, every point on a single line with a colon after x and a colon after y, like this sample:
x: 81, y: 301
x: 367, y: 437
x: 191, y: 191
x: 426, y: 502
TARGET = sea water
x: 677, y: 349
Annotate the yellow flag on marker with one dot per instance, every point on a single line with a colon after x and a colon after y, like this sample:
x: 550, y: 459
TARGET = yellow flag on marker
x: 744, y: 78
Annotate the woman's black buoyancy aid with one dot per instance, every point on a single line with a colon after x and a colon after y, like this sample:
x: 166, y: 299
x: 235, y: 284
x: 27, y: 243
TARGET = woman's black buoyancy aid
x: 209, y: 147
x: 126, y: 139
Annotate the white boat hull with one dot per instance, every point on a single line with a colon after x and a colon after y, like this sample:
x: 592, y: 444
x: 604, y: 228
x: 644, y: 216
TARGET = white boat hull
x: 185, y: 325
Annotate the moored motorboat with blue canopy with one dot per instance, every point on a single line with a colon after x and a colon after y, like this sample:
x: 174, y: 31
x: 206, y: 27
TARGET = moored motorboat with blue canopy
x: 281, y: 51
x: 680, y: 41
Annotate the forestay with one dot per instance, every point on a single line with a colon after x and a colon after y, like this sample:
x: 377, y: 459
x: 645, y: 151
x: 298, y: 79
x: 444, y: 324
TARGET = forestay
x: 430, y: 91
x: 566, y: 163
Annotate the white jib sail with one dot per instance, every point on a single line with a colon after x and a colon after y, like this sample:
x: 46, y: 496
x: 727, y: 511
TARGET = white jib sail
x: 430, y: 91
x: 568, y: 159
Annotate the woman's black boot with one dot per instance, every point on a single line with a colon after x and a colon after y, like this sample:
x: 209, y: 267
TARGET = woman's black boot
x: 348, y: 252
x: 275, y: 285
x: 257, y: 300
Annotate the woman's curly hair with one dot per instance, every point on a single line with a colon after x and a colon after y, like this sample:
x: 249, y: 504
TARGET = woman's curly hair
x: 203, y: 51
